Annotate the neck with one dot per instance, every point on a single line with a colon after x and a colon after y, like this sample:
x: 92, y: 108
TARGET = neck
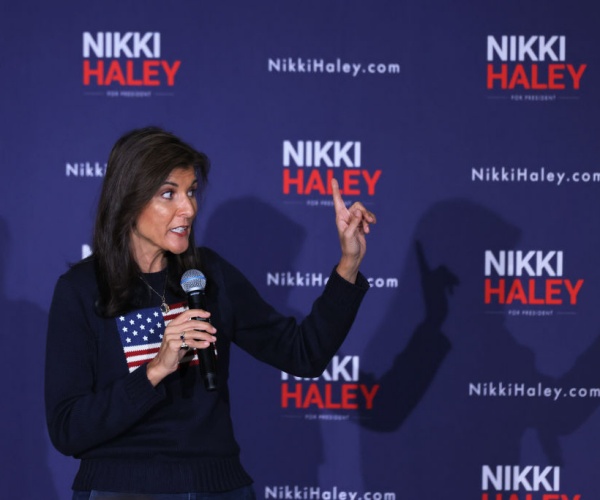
x: 153, y: 265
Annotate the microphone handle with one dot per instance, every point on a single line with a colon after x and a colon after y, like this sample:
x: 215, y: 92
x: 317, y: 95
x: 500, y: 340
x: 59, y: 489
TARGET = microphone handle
x: 208, y: 356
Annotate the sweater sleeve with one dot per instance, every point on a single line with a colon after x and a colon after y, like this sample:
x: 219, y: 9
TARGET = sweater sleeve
x: 79, y: 413
x: 301, y: 348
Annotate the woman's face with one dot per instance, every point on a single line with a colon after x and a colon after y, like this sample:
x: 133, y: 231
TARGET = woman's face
x: 166, y: 221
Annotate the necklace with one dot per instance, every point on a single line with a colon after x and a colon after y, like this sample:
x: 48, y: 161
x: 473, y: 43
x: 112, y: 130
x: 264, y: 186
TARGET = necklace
x: 163, y: 306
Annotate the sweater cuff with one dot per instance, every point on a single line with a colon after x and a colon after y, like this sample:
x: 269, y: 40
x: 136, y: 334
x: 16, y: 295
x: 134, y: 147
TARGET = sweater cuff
x: 141, y: 392
x: 342, y: 292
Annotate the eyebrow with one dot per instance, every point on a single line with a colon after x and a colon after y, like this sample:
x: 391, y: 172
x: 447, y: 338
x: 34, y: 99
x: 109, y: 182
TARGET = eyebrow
x: 171, y: 183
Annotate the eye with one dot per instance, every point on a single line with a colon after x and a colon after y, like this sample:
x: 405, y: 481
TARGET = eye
x: 167, y: 195
x: 192, y: 191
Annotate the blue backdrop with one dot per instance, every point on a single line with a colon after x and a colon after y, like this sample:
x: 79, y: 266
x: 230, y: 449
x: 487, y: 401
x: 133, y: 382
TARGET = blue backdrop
x: 472, y: 371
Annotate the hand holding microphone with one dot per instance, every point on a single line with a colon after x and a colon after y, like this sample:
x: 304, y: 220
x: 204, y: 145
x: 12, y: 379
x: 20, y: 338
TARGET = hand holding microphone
x: 193, y: 283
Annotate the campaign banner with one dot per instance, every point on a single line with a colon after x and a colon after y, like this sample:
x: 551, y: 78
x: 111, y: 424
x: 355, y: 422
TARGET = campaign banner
x: 471, y: 370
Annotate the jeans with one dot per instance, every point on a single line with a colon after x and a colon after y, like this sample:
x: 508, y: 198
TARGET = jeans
x: 245, y: 493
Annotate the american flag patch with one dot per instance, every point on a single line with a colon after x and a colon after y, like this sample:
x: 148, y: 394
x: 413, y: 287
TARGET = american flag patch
x: 142, y: 332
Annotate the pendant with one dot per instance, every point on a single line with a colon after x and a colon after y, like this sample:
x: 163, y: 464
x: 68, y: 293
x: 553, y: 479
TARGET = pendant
x: 164, y: 308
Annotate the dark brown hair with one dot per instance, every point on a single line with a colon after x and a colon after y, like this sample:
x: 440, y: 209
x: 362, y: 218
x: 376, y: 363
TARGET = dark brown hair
x: 138, y: 165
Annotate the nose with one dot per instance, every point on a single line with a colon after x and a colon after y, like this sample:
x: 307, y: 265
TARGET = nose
x: 187, y: 207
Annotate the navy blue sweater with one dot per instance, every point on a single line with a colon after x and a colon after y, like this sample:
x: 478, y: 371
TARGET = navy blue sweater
x: 175, y: 437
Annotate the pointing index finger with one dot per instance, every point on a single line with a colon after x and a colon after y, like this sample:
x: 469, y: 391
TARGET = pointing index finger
x: 338, y: 202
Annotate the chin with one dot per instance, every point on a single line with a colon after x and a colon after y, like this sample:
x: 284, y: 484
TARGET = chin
x: 179, y: 249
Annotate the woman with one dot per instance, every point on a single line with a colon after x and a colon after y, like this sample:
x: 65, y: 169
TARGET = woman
x: 122, y: 391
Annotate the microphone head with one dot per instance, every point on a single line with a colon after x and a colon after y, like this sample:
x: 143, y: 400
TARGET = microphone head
x: 193, y: 280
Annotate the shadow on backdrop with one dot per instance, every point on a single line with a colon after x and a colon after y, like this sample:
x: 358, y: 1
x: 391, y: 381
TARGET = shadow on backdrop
x: 438, y: 434
x: 25, y: 473
x: 402, y: 387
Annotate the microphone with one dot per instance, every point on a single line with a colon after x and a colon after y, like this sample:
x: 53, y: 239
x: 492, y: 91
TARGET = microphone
x: 193, y: 283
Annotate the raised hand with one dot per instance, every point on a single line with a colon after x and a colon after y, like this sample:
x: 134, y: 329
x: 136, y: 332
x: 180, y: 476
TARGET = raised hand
x: 352, y: 224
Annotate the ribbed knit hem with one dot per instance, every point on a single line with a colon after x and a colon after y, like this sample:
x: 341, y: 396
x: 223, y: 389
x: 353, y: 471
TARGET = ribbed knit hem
x: 155, y: 476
